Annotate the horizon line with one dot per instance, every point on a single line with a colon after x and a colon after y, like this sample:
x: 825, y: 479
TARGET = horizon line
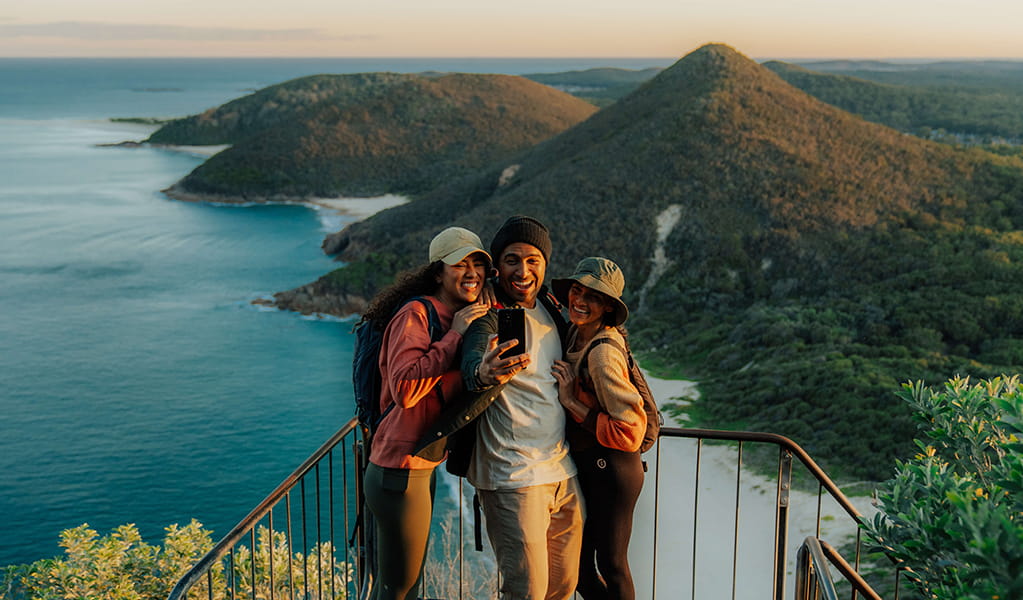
x: 630, y: 58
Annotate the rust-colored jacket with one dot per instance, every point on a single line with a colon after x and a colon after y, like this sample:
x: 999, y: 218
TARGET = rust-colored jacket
x: 419, y: 377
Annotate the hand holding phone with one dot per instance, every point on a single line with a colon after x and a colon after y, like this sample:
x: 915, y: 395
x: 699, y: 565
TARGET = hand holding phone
x: 511, y: 325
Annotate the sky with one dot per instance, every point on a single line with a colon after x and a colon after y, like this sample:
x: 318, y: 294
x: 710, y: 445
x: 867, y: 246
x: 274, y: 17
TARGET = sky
x: 520, y: 28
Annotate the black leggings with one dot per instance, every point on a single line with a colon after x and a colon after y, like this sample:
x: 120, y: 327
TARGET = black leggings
x: 611, y: 481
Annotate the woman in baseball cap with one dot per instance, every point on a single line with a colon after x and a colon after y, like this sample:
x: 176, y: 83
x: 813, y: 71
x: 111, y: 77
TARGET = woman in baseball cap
x: 423, y: 315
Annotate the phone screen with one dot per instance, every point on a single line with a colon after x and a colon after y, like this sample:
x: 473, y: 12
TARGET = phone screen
x: 511, y: 325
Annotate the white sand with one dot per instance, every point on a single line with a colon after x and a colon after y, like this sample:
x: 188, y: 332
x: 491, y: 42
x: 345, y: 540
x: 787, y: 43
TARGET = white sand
x: 359, y: 207
x: 205, y: 151
x: 715, y: 513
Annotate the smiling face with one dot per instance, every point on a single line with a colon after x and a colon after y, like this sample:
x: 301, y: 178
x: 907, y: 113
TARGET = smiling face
x: 586, y: 307
x: 462, y: 282
x: 520, y: 270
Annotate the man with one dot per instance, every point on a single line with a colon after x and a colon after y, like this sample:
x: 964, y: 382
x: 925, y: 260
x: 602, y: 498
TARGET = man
x: 517, y: 456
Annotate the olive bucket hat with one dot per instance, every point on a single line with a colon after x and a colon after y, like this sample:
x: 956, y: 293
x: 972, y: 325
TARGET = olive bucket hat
x: 598, y: 274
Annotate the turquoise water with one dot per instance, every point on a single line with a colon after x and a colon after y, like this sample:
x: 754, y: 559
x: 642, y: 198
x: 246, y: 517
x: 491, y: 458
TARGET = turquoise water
x: 136, y: 376
x: 138, y: 384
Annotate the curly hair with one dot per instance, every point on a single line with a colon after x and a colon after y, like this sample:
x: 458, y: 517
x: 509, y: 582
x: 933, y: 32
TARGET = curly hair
x: 421, y: 281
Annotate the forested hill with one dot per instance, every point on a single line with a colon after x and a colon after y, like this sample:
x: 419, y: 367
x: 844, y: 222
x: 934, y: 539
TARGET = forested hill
x: 368, y: 134
x: 918, y: 109
x: 799, y: 260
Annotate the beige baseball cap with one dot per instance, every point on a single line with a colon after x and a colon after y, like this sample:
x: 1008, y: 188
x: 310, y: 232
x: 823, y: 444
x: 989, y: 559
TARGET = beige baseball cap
x: 455, y: 243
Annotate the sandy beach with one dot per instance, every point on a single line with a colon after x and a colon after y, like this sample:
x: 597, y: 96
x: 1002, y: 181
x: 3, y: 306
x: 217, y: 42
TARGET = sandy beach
x: 358, y: 207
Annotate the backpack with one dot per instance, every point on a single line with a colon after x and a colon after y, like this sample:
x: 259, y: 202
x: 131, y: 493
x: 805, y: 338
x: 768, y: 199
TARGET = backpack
x: 366, y: 381
x: 654, y: 419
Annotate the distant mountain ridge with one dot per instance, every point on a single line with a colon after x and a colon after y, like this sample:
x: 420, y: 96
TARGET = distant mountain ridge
x: 799, y: 259
x: 367, y: 134
x: 916, y: 109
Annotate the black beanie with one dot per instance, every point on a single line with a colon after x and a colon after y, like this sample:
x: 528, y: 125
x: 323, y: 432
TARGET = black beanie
x: 526, y: 230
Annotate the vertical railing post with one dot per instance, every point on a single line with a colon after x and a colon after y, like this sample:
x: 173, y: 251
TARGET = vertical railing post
x: 696, y: 512
x: 781, y: 523
x: 270, y: 555
x: 359, y: 458
x: 735, y: 533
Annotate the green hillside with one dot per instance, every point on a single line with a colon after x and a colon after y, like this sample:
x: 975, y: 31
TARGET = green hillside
x: 976, y: 111
x: 368, y: 134
x: 274, y: 106
x: 981, y: 75
x: 811, y: 260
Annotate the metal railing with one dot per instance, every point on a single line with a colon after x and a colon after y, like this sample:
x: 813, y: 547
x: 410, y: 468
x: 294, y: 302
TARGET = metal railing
x: 813, y: 577
x: 277, y: 564
x: 731, y: 446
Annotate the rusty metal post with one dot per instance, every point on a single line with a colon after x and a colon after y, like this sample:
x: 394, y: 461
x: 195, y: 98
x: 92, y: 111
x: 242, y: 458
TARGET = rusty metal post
x: 781, y: 522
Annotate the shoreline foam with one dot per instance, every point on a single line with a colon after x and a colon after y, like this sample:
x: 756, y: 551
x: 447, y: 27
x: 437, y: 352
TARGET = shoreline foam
x: 360, y: 208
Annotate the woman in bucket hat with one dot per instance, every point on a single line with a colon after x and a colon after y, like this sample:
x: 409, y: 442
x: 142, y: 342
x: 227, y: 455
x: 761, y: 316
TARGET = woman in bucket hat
x: 607, y: 422
x: 417, y: 373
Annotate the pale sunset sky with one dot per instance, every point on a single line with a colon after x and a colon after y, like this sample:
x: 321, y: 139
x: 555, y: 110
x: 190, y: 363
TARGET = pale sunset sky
x: 520, y: 28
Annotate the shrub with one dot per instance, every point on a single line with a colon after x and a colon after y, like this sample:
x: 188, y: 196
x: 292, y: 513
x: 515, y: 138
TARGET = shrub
x: 953, y: 513
x: 121, y: 566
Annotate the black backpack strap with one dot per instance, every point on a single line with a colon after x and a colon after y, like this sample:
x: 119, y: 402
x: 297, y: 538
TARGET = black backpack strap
x: 477, y: 522
x: 432, y: 318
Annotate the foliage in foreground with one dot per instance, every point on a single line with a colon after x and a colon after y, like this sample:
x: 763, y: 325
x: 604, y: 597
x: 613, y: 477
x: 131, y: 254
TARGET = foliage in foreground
x: 954, y: 513
x: 121, y: 566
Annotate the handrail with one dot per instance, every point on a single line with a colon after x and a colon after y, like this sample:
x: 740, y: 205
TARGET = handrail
x: 771, y: 438
x: 788, y: 449
x: 849, y: 572
x: 811, y: 569
x: 224, y: 549
x: 235, y: 535
x: 814, y: 552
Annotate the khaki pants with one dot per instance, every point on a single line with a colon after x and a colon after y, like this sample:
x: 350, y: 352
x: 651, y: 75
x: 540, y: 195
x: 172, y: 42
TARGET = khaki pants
x: 536, y: 533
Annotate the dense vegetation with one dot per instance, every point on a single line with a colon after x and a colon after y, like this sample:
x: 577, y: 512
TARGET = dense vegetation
x: 122, y: 566
x: 368, y: 134
x: 954, y: 512
x: 924, y: 111
x: 983, y: 75
x: 958, y: 103
x: 817, y: 261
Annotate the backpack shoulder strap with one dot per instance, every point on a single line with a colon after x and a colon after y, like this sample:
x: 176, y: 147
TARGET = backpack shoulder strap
x: 583, y: 362
x: 432, y: 318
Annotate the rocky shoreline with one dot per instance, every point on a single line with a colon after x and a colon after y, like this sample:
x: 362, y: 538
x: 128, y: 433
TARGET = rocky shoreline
x: 318, y: 297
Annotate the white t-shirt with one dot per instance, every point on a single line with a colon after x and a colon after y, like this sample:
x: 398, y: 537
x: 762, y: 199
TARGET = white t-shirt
x: 520, y: 441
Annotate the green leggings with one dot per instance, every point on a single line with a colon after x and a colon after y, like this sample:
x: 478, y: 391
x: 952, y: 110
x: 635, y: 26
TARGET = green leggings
x: 401, y: 501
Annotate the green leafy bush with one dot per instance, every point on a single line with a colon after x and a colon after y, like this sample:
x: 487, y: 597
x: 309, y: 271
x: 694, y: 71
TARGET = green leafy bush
x: 121, y: 566
x: 953, y: 514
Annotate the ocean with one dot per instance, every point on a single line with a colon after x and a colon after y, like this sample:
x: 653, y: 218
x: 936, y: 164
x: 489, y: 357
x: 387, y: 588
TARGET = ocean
x: 138, y: 382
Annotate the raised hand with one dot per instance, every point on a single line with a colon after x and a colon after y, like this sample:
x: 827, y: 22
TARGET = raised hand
x: 494, y: 369
x: 468, y: 314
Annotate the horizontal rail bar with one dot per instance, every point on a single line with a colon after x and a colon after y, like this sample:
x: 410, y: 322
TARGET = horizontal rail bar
x: 810, y: 560
x: 771, y: 438
x: 847, y: 570
x: 236, y: 534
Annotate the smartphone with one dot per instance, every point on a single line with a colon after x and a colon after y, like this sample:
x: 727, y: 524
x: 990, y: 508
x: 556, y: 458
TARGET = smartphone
x: 511, y: 325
